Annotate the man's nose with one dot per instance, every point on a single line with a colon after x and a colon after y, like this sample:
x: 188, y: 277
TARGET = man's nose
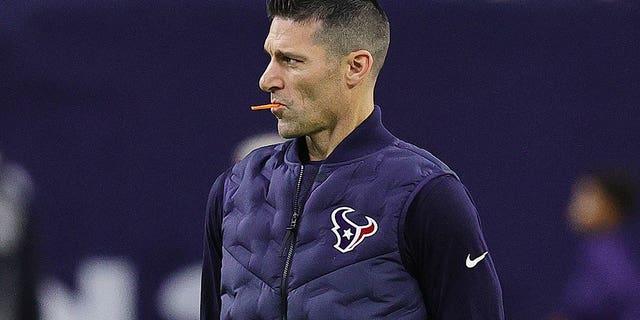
x: 271, y: 80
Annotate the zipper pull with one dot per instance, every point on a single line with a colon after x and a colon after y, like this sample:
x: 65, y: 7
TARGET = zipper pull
x: 294, y: 223
x: 291, y: 229
x: 285, y: 242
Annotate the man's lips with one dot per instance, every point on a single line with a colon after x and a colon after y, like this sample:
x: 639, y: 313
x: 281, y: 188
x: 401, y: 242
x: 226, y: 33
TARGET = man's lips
x: 277, y: 110
x: 278, y: 105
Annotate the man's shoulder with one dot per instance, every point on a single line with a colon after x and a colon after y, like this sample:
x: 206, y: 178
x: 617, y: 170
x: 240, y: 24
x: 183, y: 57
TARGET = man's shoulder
x: 411, y: 155
x: 262, y: 157
x: 266, y: 151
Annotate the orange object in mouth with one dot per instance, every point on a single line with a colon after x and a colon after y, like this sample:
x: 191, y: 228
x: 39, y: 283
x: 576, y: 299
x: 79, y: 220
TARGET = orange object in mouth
x: 265, y: 106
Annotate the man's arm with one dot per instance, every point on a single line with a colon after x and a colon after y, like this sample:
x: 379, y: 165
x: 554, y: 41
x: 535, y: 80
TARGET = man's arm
x: 446, y: 252
x: 210, y: 285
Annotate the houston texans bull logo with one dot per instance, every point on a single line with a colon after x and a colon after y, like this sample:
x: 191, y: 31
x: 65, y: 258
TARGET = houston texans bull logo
x: 348, y: 233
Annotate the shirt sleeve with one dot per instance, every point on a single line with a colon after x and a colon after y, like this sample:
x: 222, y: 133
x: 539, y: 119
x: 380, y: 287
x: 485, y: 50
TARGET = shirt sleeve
x: 444, y: 249
x: 212, y: 255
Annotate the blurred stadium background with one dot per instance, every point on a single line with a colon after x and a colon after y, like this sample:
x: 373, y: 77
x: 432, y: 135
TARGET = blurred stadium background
x: 116, y: 116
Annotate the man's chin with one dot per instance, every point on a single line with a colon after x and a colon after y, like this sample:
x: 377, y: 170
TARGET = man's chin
x: 287, y: 133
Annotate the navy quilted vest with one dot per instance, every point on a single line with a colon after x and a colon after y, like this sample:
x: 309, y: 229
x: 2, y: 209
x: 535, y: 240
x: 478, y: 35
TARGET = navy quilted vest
x: 345, y: 262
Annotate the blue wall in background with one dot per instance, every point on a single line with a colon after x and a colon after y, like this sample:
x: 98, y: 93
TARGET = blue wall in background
x: 124, y: 113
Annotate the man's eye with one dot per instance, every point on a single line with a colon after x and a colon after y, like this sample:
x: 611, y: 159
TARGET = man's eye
x: 290, y: 61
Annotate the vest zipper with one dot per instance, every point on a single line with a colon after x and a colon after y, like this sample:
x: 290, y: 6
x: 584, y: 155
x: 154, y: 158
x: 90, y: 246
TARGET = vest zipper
x: 288, y: 244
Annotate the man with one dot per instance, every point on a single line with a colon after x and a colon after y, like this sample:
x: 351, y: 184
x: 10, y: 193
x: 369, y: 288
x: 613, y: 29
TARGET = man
x: 344, y: 221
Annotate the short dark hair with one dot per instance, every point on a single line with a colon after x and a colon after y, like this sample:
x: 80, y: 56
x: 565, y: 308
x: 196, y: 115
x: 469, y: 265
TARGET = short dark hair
x: 346, y: 25
x: 618, y: 185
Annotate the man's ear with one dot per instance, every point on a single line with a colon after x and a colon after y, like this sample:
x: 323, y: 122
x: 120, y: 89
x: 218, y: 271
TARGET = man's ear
x: 360, y: 64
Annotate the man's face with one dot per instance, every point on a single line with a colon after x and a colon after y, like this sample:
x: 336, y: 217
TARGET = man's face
x: 302, y: 78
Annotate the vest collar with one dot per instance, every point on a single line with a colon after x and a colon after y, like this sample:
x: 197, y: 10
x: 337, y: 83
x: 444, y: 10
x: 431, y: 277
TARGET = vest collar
x: 369, y: 137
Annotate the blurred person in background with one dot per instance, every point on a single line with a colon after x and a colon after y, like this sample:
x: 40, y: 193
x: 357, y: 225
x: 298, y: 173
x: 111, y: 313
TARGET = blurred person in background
x: 605, y: 283
x: 17, y: 281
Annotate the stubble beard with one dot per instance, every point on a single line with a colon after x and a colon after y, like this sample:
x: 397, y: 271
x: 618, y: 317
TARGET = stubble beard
x: 300, y: 127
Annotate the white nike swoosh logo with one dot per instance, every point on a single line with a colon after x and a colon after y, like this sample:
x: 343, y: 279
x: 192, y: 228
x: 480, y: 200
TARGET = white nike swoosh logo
x: 472, y: 263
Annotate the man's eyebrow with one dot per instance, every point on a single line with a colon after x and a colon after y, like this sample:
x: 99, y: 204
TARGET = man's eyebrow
x: 296, y: 55
x: 284, y: 53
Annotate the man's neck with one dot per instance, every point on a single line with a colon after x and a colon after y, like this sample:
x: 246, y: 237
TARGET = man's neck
x: 319, y: 147
x: 321, y: 144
